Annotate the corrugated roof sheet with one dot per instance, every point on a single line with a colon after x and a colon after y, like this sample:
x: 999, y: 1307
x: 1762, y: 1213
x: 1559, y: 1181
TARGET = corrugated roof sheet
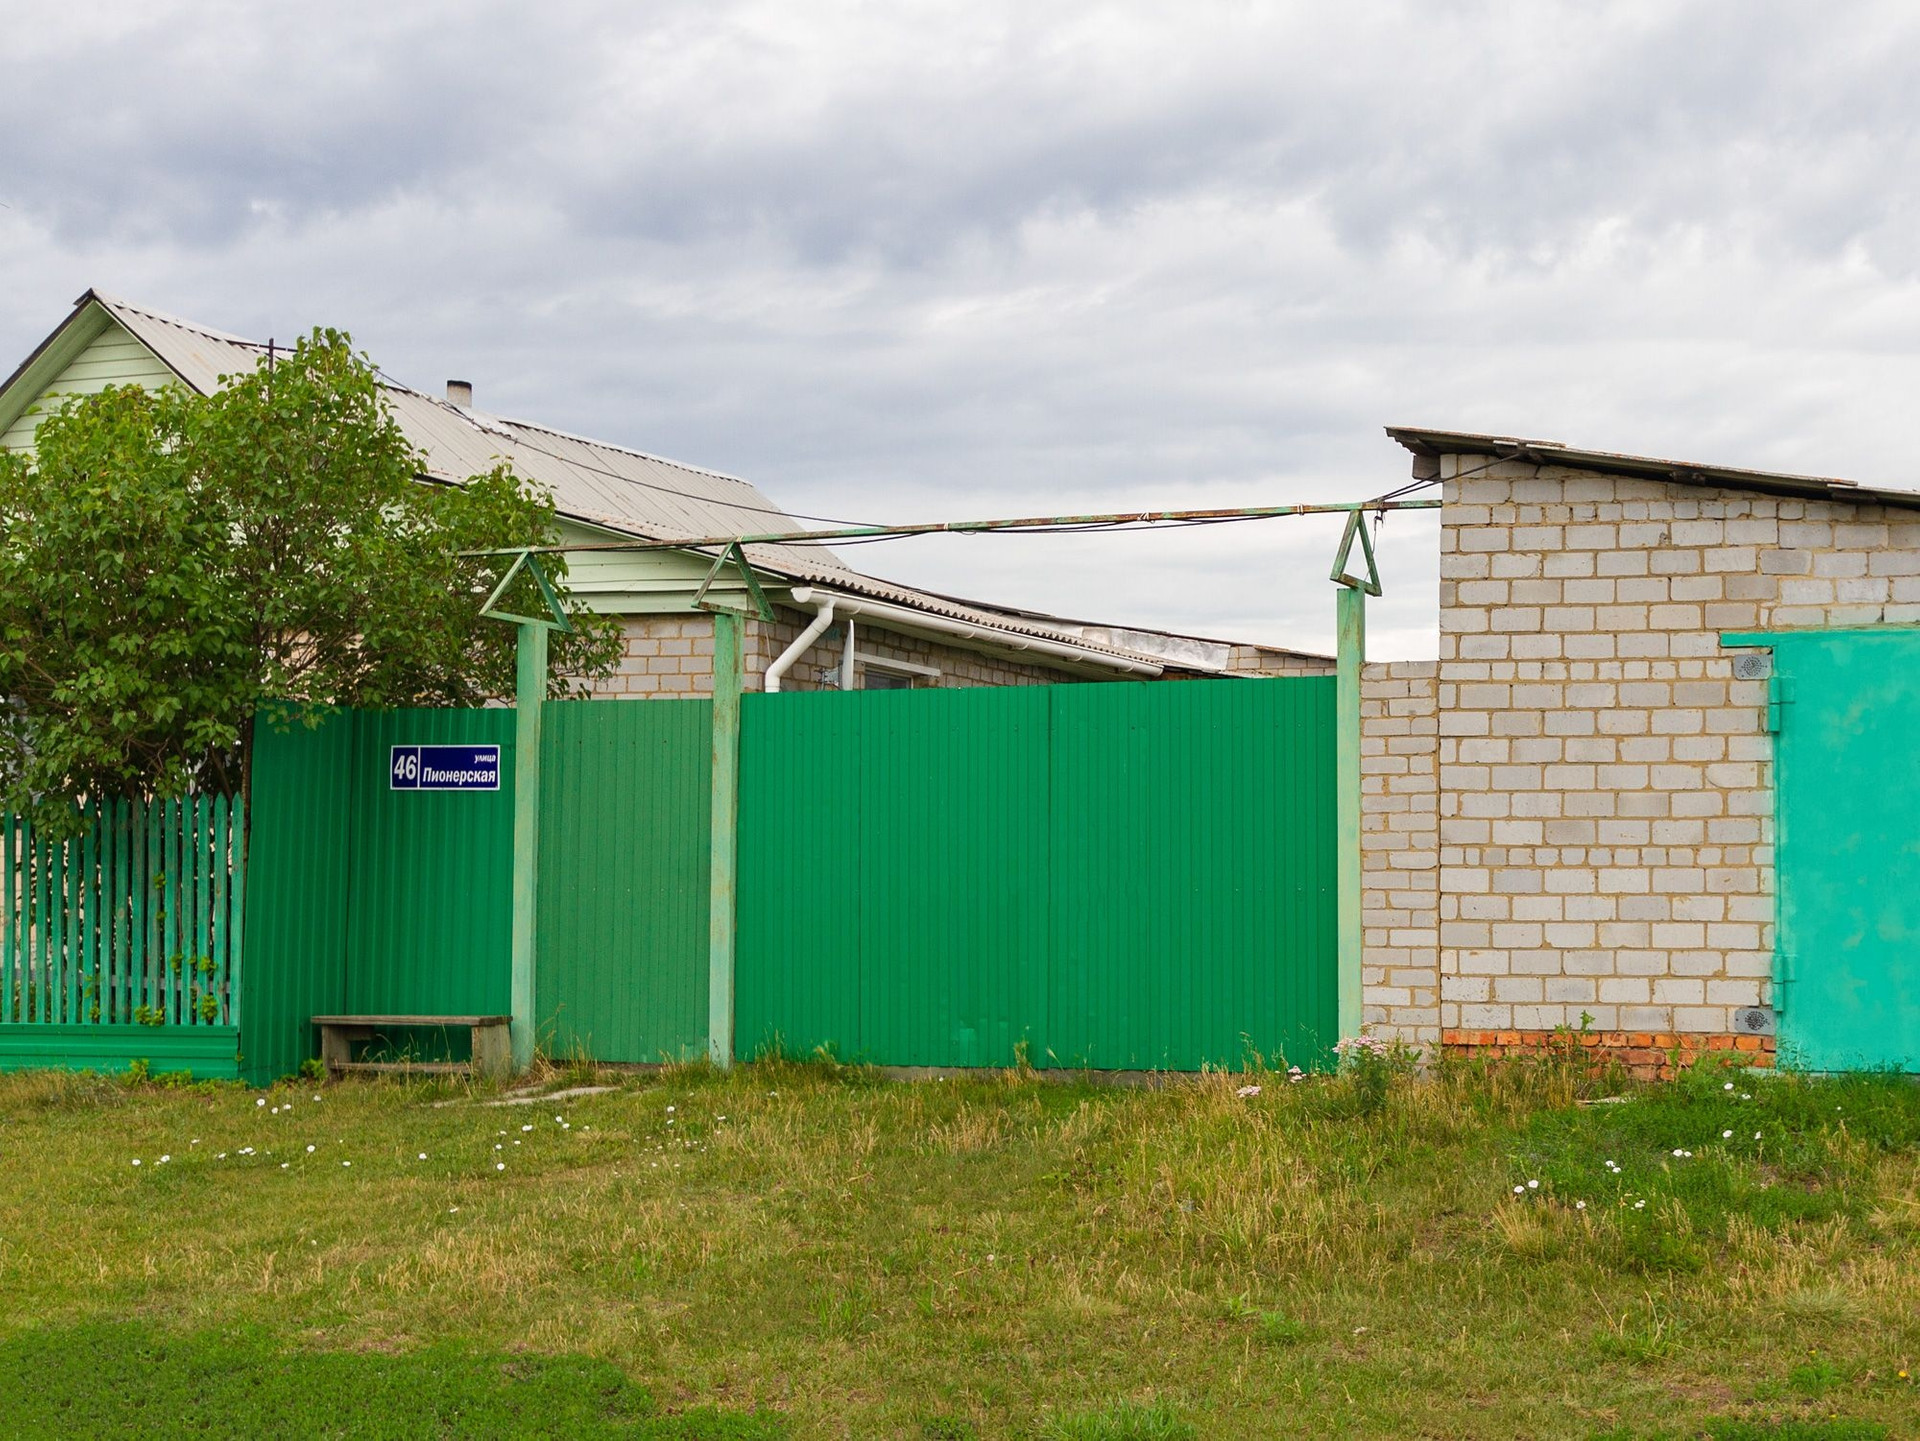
x: 608, y: 485
x: 1431, y: 443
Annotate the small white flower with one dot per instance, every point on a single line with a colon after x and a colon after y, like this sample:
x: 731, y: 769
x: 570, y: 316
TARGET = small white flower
x: 283, y: 1165
x: 1678, y: 1152
x: 1726, y: 1135
x: 671, y: 1109
x: 558, y: 1122
x: 526, y: 1128
x: 316, y: 1098
x: 1728, y: 1086
x: 136, y: 1160
x: 499, y: 1165
x: 1533, y: 1185
x: 194, y: 1142
x: 1519, y: 1190
x: 1756, y: 1135
x: 423, y: 1155
x: 165, y: 1159
x: 346, y: 1163
x: 497, y: 1146
x: 221, y: 1157
x: 1639, y: 1205
x: 1246, y: 1091
x: 261, y: 1102
x: 1579, y: 1205
x: 989, y: 1258
x: 274, y: 1112
x: 452, y: 1209
x: 309, y: 1150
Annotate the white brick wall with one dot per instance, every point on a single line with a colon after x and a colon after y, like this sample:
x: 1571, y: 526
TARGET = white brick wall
x: 1400, y: 850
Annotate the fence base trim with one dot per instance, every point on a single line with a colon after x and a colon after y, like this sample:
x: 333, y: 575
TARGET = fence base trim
x: 210, y: 1052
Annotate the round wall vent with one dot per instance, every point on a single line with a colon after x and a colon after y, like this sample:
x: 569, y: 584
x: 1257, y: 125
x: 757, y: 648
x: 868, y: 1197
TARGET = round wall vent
x: 1754, y: 1020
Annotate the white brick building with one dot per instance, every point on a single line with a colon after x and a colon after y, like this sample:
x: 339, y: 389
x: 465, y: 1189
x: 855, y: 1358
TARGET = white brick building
x: 1568, y: 819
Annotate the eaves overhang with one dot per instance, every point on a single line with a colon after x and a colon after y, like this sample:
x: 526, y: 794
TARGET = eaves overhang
x: 1429, y: 445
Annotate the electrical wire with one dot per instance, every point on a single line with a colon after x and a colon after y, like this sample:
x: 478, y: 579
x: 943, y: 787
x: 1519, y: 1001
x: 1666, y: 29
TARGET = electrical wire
x: 1094, y: 527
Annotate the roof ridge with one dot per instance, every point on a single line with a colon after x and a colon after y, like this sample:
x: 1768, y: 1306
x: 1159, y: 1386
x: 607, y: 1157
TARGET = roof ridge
x: 114, y: 302
x: 597, y: 444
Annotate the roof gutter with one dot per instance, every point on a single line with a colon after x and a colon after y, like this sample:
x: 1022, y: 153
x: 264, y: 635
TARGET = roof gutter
x: 914, y: 620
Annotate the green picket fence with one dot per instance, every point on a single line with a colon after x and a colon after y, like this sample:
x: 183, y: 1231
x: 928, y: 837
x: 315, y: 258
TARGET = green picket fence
x: 123, y: 942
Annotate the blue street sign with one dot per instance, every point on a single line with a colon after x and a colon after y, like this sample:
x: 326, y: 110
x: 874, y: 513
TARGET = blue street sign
x: 445, y: 768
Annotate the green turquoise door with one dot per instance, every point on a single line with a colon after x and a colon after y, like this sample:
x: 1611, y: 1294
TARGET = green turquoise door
x: 1847, y: 792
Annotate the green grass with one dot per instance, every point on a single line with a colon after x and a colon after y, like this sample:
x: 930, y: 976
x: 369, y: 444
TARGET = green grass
x: 816, y: 1252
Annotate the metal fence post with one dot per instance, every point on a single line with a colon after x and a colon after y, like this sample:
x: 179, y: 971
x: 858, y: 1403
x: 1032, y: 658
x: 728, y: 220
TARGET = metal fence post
x: 529, y: 692
x: 1350, y: 623
x: 1351, y: 653
x: 723, y: 865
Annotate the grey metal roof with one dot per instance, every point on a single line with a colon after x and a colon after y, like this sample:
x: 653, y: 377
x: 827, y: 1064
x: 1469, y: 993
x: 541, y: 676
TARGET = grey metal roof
x: 622, y: 489
x: 1428, y: 444
x: 607, y: 485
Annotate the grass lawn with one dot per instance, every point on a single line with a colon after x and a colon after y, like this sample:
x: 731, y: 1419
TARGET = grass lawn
x: 800, y: 1251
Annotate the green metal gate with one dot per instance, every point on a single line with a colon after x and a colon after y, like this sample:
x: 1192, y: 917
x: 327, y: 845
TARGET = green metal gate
x: 1119, y: 876
x: 1847, y: 945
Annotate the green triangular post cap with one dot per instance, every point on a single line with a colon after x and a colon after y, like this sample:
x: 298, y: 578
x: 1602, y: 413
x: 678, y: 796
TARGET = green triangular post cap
x: 1356, y: 526
x: 556, y: 617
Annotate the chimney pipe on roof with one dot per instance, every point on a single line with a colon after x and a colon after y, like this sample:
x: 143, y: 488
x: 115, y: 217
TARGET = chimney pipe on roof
x: 460, y: 393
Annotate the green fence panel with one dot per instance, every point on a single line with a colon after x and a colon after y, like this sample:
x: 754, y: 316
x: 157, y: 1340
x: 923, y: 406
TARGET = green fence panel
x: 296, y: 889
x: 797, y: 967
x: 367, y: 899
x: 1193, y: 917
x: 893, y: 875
x: 121, y: 924
x: 622, y: 938
x: 1119, y: 876
x: 429, y: 874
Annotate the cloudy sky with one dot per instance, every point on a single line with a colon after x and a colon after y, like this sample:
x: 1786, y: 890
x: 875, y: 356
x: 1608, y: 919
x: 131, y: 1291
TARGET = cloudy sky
x: 904, y: 262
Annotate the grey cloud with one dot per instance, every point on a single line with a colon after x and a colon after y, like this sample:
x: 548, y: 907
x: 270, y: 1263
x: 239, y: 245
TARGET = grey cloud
x: 900, y: 264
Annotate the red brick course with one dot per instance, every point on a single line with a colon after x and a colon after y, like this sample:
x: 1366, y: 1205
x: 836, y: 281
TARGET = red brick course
x: 1646, y: 1055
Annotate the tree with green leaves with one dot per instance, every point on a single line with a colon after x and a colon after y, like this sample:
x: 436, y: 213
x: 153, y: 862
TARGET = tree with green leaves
x: 170, y: 563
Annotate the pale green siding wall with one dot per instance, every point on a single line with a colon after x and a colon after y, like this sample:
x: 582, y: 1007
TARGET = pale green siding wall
x: 114, y: 358
x: 638, y: 582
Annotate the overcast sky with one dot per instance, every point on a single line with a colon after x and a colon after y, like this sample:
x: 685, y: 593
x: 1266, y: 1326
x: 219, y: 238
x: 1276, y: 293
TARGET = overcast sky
x: 915, y: 261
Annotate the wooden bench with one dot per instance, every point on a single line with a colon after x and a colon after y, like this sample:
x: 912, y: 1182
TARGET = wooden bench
x: 492, y: 1052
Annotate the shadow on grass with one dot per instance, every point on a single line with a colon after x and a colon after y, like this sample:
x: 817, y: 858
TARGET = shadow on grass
x: 124, y: 1380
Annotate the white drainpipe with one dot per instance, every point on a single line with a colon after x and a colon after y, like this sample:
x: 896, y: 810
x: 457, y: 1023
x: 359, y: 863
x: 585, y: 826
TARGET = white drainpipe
x: 822, y: 618
x: 914, y: 620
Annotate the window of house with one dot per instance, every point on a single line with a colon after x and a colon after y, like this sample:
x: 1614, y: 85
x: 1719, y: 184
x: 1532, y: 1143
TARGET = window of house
x: 873, y: 678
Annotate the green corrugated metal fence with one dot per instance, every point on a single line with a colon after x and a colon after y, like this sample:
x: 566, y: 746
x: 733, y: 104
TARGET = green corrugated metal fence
x: 371, y: 900
x: 123, y: 941
x: 1120, y: 876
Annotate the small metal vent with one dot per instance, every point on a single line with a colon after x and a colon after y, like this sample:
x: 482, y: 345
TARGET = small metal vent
x: 1752, y: 665
x: 1754, y: 1020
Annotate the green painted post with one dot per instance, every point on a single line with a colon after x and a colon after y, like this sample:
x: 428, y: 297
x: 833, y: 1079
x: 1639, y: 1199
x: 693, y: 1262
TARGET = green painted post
x: 724, y: 862
x: 529, y: 693
x: 1351, y: 653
